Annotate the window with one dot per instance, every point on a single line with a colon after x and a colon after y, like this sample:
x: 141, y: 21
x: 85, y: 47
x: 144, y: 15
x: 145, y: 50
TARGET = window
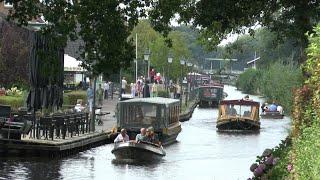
x: 8, y: 3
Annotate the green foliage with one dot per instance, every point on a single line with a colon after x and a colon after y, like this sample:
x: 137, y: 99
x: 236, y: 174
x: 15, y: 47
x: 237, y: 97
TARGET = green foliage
x: 307, y: 150
x: 14, y: 101
x: 71, y: 97
x: 306, y: 147
x: 216, y: 20
x: 266, y: 46
x: 279, y: 171
x: 248, y: 81
x: 163, y: 94
x: 149, y: 38
x: 276, y: 83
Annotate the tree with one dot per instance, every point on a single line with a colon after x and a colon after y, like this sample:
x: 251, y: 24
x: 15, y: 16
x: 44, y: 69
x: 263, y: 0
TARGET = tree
x: 148, y: 38
x: 216, y: 19
x: 103, y: 26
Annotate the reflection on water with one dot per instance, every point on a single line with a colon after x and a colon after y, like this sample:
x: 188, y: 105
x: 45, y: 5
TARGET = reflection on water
x: 201, y: 152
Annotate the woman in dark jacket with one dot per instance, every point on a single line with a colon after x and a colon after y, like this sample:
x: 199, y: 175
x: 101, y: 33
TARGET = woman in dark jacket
x: 146, y: 90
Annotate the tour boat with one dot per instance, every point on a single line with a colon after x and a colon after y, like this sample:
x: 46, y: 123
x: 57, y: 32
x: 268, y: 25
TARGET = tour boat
x: 210, y: 95
x: 235, y: 115
x: 138, y: 152
x: 162, y: 114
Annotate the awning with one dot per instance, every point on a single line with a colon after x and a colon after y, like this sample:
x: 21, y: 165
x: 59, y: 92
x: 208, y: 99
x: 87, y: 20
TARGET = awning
x: 72, y: 64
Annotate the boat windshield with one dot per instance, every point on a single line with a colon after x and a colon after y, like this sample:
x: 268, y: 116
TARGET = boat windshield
x: 144, y: 114
x: 210, y: 92
x: 238, y: 110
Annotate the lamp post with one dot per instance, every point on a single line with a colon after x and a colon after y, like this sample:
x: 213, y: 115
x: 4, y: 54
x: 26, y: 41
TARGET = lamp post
x: 182, y: 62
x: 93, y: 110
x: 188, y: 84
x: 168, y: 79
x: 146, y: 58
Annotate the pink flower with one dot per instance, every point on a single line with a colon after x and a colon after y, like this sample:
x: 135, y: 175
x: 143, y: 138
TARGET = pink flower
x: 289, y: 167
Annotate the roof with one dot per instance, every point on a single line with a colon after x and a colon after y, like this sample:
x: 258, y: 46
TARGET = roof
x: 153, y: 100
x: 72, y: 64
x: 73, y: 47
x: 253, y: 60
x: 218, y: 85
x: 240, y: 102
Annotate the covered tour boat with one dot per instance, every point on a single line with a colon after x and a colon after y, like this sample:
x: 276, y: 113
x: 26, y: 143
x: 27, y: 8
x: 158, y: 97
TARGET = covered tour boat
x: 210, y: 95
x: 272, y: 115
x: 138, y: 152
x: 162, y: 114
x: 237, y: 115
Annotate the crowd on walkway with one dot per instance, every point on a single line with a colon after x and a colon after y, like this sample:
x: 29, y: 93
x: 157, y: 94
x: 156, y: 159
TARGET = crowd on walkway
x: 150, y: 87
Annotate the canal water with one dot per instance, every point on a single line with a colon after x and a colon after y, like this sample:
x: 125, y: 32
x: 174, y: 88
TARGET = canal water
x: 200, y: 153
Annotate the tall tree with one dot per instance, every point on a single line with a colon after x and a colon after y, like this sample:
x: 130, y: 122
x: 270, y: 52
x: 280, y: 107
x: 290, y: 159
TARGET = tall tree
x: 217, y: 19
x: 104, y: 27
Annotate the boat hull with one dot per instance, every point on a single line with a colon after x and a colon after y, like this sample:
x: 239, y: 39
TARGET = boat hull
x: 138, y: 152
x: 238, y: 125
x: 272, y: 115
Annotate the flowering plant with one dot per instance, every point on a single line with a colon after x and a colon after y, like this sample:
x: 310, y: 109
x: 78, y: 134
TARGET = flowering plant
x: 14, y: 91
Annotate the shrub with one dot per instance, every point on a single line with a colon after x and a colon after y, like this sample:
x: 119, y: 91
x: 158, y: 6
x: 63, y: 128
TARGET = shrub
x: 71, y: 97
x: 14, y: 91
x: 277, y: 83
x: 163, y: 94
x: 14, y: 101
x: 248, y: 81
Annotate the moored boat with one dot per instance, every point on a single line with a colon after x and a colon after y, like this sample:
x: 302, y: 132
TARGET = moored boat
x: 238, y: 115
x: 272, y: 115
x: 162, y: 114
x: 138, y: 152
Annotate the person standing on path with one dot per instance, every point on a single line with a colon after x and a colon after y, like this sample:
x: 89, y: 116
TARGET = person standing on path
x: 90, y: 97
x: 139, y: 88
x: 123, y: 85
x: 106, y: 88
x: 99, y: 94
x: 133, y: 89
x: 111, y: 89
x: 146, y: 90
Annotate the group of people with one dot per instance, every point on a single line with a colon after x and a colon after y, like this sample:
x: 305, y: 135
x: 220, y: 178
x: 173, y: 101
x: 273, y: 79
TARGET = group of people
x: 271, y: 108
x: 142, y: 87
x: 146, y: 135
x: 101, y: 93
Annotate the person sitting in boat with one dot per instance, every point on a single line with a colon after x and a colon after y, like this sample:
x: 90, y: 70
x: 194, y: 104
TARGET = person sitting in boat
x: 273, y: 107
x: 142, y: 136
x: 232, y: 111
x: 151, y: 137
x: 122, y: 137
x: 264, y: 108
x: 280, y: 109
x: 246, y: 98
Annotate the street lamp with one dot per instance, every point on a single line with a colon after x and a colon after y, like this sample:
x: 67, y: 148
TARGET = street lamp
x: 188, y: 84
x: 168, y: 79
x: 146, y: 58
x: 182, y: 62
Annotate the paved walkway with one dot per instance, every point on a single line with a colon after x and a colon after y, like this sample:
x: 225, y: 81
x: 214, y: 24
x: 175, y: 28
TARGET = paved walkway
x: 109, y: 120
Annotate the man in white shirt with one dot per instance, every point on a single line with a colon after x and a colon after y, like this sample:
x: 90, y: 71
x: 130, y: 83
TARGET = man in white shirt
x: 123, y: 85
x: 106, y: 88
x: 122, y: 137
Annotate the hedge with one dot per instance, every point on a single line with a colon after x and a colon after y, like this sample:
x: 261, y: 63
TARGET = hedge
x: 70, y: 98
x: 14, y: 101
